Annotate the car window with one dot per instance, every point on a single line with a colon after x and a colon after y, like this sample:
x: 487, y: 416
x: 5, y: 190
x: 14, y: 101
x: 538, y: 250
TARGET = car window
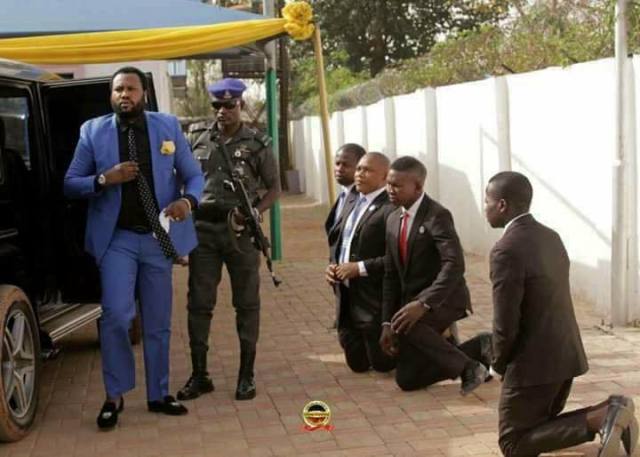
x: 2, y: 172
x: 14, y: 120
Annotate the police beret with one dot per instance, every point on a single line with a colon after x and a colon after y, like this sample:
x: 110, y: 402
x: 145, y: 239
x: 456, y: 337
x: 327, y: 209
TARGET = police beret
x: 227, y: 89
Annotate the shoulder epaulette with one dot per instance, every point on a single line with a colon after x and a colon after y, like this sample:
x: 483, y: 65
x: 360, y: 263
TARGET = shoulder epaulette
x: 263, y: 138
x: 198, y: 127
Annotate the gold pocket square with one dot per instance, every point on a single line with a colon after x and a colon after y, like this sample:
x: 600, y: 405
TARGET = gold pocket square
x: 168, y: 147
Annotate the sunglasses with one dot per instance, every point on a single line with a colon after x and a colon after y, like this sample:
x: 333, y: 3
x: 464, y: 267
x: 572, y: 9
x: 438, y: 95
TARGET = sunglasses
x: 227, y: 105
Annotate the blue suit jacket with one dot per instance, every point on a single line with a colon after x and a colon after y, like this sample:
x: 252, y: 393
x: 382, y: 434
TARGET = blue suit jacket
x: 98, y: 151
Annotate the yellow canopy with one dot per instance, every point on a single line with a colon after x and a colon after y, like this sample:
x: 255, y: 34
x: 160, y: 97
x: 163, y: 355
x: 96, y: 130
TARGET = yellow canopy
x: 155, y: 44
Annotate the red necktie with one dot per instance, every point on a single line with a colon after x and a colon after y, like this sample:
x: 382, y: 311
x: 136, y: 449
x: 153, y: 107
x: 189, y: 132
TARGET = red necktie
x: 402, y: 242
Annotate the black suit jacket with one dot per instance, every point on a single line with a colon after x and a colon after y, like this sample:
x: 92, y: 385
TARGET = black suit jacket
x: 333, y: 230
x: 434, y: 271
x: 360, y: 304
x: 535, y: 334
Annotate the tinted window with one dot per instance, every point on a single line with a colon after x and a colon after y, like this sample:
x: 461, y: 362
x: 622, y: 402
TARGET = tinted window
x: 14, y: 126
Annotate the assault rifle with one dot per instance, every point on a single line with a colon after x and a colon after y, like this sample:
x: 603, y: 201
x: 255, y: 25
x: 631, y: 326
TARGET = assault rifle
x: 251, y: 217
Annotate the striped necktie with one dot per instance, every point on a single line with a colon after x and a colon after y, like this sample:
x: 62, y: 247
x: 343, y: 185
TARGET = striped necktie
x: 348, y: 229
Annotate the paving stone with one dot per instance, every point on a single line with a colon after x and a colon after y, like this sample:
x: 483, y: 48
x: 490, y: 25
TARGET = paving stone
x: 299, y: 359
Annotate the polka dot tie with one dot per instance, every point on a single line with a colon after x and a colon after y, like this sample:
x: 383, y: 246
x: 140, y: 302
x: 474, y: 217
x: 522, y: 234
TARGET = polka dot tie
x: 149, y: 203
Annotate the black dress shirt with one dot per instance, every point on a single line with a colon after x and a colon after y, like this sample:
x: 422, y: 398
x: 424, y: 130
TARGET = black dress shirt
x: 132, y: 216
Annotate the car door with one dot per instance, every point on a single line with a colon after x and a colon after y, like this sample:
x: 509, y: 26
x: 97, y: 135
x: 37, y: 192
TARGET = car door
x: 66, y: 105
x: 23, y: 240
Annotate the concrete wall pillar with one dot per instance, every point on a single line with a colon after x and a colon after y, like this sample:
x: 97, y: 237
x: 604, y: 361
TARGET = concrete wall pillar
x: 339, y: 129
x: 502, y: 123
x: 431, y: 146
x: 391, y: 148
x: 365, y: 130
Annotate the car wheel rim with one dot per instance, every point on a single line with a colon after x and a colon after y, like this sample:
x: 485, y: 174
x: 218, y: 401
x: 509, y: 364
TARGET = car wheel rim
x: 18, y: 364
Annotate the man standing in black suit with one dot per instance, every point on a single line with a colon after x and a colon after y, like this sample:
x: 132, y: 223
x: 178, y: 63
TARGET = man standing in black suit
x: 424, y: 288
x: 357, y: 268
x: 537, y: 344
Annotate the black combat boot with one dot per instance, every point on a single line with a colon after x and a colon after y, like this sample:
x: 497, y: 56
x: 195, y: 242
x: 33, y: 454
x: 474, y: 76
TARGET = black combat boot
x: 246, y: 389
x: 199, y: 383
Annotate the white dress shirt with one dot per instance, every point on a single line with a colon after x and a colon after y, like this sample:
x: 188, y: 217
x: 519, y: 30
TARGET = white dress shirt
x: 506, y: 227
x: 413, y: 210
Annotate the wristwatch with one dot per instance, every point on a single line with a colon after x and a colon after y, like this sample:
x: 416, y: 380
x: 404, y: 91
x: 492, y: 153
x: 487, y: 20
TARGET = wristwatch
x: 102, y: 179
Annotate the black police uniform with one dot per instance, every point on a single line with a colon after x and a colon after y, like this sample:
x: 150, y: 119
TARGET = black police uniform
x: 250, y: 151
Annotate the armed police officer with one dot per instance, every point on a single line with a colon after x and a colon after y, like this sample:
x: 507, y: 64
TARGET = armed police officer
x: 226, y: 149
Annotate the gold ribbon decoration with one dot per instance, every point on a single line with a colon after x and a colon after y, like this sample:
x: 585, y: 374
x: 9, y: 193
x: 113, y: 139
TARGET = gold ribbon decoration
x: 298, y: 16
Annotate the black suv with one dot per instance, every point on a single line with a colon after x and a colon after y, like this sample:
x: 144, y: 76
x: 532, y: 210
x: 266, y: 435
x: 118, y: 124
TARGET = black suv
x: 49, y: 286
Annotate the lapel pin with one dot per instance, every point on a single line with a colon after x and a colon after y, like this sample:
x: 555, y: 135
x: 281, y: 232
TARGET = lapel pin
x: 421, y: 230
x: 372, y: 208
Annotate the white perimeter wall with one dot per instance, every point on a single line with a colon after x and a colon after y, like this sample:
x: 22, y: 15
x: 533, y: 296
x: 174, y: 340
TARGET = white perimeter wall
x: 557, y: 126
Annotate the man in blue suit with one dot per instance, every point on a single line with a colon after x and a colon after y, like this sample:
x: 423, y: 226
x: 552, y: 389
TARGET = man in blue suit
x: 142, y: 182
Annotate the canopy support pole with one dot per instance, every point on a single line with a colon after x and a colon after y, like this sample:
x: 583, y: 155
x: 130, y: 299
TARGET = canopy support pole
x: 274, y: 213
x: 272, y: 129
x: 324, y: 114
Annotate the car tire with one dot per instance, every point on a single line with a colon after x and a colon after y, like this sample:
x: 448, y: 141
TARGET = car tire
x: 20, y: 364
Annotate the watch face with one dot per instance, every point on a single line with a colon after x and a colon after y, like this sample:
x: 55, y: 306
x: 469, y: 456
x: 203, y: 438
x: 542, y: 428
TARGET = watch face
x: 102, y: 179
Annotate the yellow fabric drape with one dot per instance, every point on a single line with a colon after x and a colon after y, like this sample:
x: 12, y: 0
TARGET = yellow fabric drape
x: 156, y: 44
x: 147, y: 44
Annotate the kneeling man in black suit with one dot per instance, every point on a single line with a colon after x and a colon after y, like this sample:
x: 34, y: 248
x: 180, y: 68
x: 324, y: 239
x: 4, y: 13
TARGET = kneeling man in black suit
x: 357, y: 267
x: 424, y: 288
x: 536, y: 340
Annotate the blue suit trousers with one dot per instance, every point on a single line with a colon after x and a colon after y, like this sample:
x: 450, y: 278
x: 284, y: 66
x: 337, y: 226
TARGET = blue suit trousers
x: 135, y: 265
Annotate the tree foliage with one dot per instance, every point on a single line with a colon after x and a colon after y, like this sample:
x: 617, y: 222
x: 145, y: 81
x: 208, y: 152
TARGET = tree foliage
x: 197, y: 103
x: 536, y: 35
x: 338, y: 76
x: 376, y: 33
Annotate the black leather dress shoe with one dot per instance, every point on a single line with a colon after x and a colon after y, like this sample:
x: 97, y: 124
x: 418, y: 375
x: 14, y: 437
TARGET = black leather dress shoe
x: 486, y: 352
x: 168, y: 405
x: 108, y: 416
x: 629, y: 435
x: 616, y: 421
x: 486, y: 348
x: 196, y: 386
x: 246, y: 389
x: 472, y: 376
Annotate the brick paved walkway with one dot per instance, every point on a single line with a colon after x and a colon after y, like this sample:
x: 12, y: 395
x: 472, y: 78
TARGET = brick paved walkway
x: 299, y: 360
